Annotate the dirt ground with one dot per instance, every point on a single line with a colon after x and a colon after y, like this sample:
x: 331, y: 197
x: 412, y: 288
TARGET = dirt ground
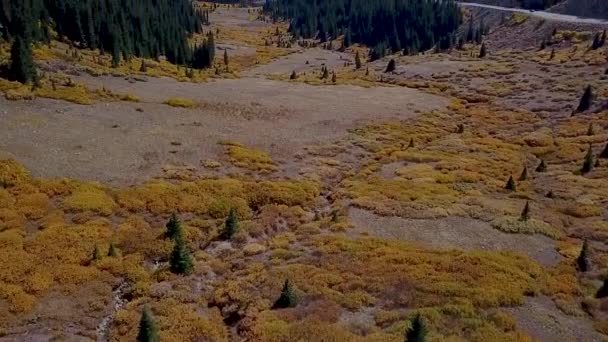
x: 454, y: 232
x: 302, y: 62
x: 115, y: 143
x: 544, y: 321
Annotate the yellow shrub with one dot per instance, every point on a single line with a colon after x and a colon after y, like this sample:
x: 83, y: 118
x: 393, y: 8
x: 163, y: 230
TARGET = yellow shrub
x: 251, y: 159
x: 12, y: 173
x: 181, y: 102
x: 90, y: 197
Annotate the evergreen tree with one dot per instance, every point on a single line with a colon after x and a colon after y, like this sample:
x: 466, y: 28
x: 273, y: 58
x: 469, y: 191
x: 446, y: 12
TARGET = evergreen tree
x: 482, y: 51
x: 97, y: 253
x: 22, y: 63
x: 511, y: 184
x: 417, y: 332
x: 582, y: 262
x: 596, y: 42
x: 460, y: 129
x: 148, y: 332
x: 402, y: 25
x: 293, y: 75
x: 144, y: 67
x: 604, y: 153
x: 325, y: 73
x: 524, y: 174
x: 525, y: 214
x: 333, y: 77
x: 173, y: 226
x: 181, y: 260
x: 390, y: 67
x: 357, y: 60
x: 590, y: 130
x: 603, y: 39
x: 288, y: 298
x: 231, y: 226
x: 411, y: 143
x: 112, y: 252
x: 542, y: 166
x: 588, y: 162
x: 603, y: 291
x: 226, y: 58
x: 586, y: 100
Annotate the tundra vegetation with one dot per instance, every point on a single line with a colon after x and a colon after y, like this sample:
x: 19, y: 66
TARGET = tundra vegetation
x: 261, y: 245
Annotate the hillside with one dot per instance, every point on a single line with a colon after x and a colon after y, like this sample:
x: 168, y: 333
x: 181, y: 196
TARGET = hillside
x: 287, y: 173
x: 583, y: 8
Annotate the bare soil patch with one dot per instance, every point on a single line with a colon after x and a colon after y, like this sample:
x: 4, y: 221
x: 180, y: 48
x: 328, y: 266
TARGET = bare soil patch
x: 304, y: 61
x: 117, y: 143
x: 455, y: 232
x: 540, y: 318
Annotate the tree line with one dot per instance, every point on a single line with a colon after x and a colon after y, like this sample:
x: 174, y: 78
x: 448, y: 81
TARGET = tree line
x: 384, y: 25
x: 124, y: 28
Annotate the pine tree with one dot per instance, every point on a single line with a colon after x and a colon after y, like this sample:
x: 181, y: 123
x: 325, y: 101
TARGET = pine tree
x: 603, y: 291
x: 325, y: 73
x: 148, y: 332
x: 333, y: 77
x: 226, y: 58
x: 603, y: 39
x: 293, y: 75
x: 588, y: 162
x: 460, y: 129
x: 97, y: 253
x: 596, y: 42
x: 542, y: 166
x: 173, y: 226
x: 417, y: 332
x: 144, y: 67
x: 586, y: 100
x: 357, y: 60
x: 524, y: 174
x: 525, y: 214
x: 366, y: 71
x: 582, y: 262
x: 604, y: 154
x: 288, y: 298
x: 231, y: 226
x: 112, y: 252
x: 590, y: 130
x: 411, y: 143
x: 390, y: 66
x: 181, y: 260
x: 543, y: 44
x: 511, y: 184
x: 482, y: 51
x: 22, y: 63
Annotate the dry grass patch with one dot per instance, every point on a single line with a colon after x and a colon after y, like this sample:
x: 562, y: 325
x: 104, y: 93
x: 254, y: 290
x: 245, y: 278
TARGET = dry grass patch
x: 181, y: 102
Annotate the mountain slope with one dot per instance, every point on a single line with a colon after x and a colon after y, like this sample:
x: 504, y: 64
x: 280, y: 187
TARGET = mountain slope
x: 583, y: 8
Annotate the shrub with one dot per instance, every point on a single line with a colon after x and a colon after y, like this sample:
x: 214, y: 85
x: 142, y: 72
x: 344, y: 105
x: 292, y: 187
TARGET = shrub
x: 89, y: 197
x: 181, y: 102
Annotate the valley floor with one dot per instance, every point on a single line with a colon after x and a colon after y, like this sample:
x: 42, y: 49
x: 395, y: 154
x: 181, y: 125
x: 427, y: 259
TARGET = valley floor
x: 380, y: 195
